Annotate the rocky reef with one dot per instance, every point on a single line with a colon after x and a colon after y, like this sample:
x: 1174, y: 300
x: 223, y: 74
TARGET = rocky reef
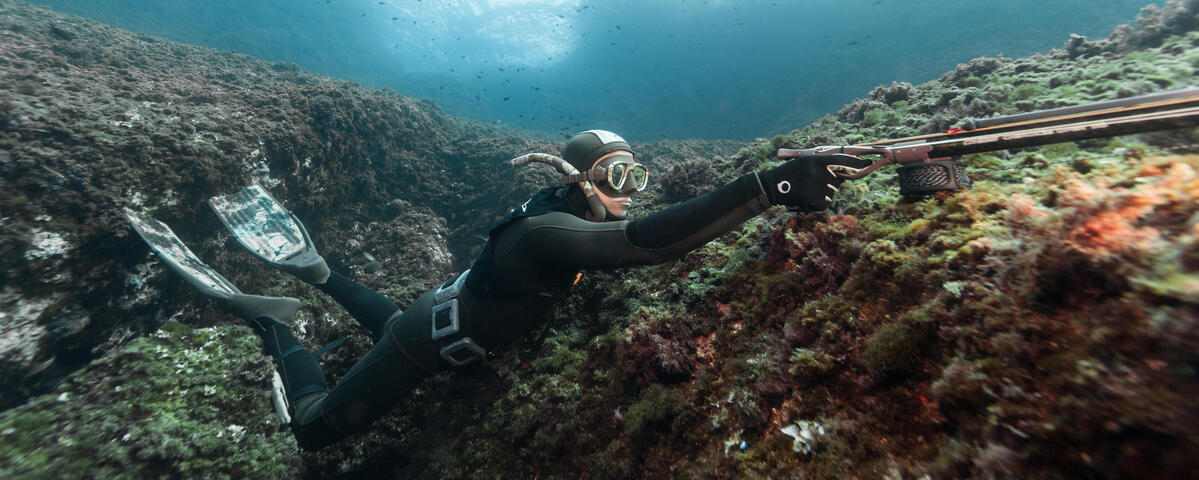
x: 1040, y: 324
x: 178, y: 403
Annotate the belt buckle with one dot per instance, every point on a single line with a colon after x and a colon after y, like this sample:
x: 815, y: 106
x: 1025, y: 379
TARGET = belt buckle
x: 445, y: 319
x: 463, y: 352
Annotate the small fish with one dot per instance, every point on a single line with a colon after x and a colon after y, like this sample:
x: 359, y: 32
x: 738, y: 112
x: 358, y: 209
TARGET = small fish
x: 506, y: 98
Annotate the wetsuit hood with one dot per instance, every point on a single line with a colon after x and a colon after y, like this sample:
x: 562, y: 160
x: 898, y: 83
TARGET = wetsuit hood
x: 585, y: 148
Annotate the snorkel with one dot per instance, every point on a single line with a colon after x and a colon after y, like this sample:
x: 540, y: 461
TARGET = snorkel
x: 598, y: 212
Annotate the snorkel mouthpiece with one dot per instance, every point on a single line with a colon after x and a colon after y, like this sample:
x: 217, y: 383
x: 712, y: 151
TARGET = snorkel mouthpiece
x: 598, y: 212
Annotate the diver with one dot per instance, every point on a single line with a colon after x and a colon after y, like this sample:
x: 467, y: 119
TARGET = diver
x: 532, y: 257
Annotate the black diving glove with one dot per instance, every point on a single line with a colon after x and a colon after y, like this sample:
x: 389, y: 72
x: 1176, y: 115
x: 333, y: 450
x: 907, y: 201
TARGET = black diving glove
x: 808, y: 183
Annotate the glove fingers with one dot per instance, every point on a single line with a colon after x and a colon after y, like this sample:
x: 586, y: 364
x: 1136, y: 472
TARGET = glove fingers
x: 840, y: 165
x: 838, y: 170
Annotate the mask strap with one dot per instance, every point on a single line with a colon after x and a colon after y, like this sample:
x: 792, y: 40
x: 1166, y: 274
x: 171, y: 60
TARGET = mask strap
x: 595, y: 174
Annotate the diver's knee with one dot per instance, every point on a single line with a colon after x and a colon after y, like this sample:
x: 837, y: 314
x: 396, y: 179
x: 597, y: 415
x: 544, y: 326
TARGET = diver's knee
x: 310, y: 428
x: 315, y: 436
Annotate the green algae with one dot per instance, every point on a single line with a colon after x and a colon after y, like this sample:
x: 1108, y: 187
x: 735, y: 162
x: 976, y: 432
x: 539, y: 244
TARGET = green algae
x: 891, y: 351
x: 180, y: 403
x: 652, y: 409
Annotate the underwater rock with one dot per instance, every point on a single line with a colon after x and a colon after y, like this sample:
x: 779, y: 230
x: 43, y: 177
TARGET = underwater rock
x: 179, y: 403
x: 891, y: 351
x: 1078, y: 46
x: 1155, y: 24
x: 805, y: 434
x: 409, y: 250
x: 687, y: 180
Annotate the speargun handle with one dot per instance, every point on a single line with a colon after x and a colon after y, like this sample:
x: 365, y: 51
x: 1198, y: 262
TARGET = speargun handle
x: 906, y: 154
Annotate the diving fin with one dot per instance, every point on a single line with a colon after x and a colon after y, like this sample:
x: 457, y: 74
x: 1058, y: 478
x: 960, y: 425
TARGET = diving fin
x: 271, y: 232
x: 179, y: 258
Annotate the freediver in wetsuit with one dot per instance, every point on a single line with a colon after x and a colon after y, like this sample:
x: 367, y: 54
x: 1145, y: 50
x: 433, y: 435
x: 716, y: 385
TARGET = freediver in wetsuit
x: 531, y: 258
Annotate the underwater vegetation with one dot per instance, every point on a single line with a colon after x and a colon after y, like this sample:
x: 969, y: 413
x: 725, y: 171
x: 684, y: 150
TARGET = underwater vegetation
x: 1040, y: 324
x: 100, y: 424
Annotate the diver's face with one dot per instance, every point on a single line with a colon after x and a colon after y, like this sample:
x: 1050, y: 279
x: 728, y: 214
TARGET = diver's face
x: 617, y: 205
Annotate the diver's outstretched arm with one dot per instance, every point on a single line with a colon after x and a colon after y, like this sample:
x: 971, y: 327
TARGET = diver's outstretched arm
x: 807, y: 184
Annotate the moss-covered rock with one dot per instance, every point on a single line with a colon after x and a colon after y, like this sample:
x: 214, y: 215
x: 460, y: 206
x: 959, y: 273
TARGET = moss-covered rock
x: 891, y: 351
x: 181, y: 403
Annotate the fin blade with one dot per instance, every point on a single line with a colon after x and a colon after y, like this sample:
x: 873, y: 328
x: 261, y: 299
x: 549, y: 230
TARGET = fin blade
x: 261, y: 224
x: 178, y: 257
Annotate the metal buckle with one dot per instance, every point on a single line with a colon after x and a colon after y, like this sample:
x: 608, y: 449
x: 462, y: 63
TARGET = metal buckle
x: 447, y: 292
x: 445, y: 314
x: 453, y: 353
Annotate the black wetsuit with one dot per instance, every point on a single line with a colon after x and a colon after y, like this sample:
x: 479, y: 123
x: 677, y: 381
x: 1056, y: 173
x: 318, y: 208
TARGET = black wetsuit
x: 531, y: 257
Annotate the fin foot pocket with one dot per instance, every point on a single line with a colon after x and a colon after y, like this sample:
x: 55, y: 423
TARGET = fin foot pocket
x: 251, y: 307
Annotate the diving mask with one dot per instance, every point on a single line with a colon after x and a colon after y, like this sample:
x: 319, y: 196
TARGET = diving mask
x: 620, y: 175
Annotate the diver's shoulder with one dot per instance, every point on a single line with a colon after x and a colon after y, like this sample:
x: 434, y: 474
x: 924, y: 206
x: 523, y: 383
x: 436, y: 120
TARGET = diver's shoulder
x: 548, y: 218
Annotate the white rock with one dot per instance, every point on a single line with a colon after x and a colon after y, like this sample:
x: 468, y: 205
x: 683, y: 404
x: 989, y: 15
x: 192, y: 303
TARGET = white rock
x: 19, y: 330
x: 46, y: 244
x: 803, y: 434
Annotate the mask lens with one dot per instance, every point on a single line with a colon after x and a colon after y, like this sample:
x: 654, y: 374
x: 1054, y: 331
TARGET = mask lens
x: 640, y: 177
x: 616, y: 175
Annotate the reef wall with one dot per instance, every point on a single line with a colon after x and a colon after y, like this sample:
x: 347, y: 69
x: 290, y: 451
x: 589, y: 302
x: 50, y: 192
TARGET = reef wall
x: 1040, y: 324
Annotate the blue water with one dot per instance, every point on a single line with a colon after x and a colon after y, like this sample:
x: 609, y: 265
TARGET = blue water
x: 647, y: 69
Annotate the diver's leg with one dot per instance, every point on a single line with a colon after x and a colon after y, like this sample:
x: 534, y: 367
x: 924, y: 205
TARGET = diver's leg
x: 269, y: 316
x: 368, y: 391
x: 370, y: 308
x: 297, y: 367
